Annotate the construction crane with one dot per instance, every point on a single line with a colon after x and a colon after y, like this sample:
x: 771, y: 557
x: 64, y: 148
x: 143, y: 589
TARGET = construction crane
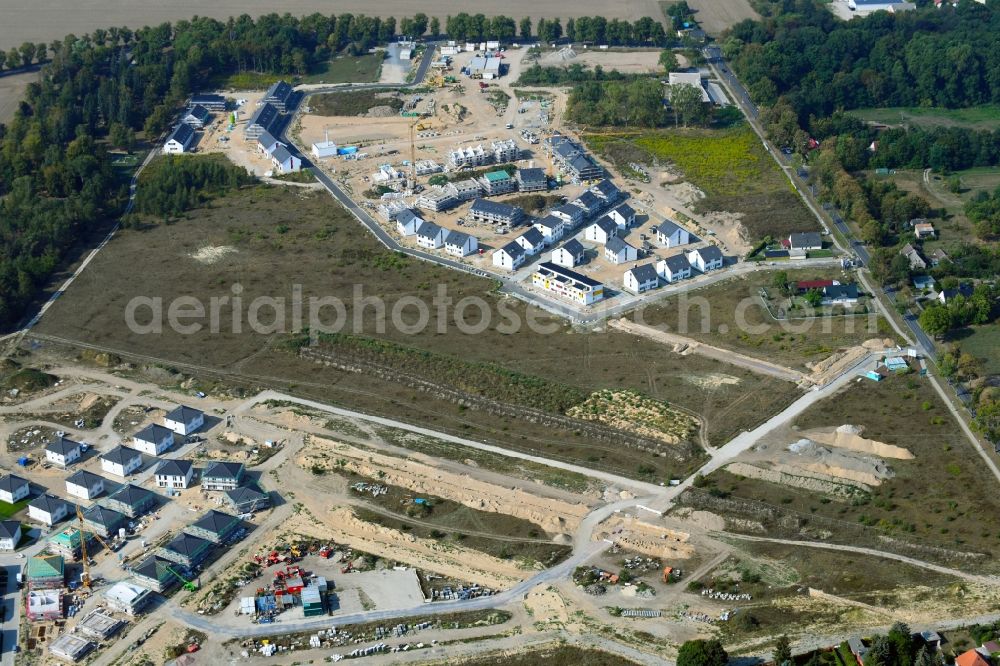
x: 85, y: 577
x: 413, y: 154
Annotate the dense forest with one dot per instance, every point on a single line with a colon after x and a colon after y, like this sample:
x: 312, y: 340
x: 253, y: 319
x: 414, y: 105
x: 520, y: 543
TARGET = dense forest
x: 820, y: 64
x: 636, y: 103
x: 176, y: 183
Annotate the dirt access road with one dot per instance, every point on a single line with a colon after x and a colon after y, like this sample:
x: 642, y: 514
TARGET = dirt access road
x: 45, y: 20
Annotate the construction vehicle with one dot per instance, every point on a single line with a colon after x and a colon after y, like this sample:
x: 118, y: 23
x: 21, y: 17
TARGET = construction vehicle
x: 296, y: 553
x: 325, y: 552
x: 189, y: 585
x: 668, y: 572
x: 348, y: 568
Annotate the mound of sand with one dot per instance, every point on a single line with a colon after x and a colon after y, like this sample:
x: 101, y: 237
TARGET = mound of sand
x: 849, y: 437
x: 814, y: 457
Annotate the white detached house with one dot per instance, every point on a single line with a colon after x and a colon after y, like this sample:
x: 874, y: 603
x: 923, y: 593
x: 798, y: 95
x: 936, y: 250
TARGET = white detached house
x: 601, y: 230
x: 670, y: 234
x: 570, y: 255
x: 174, y: 474
x: 706, y: 258
x: 10, y: 534
x: 13, y: 488
x: 63, y: 452
x: 184, y: 420
x: 674, y: 268
x: 623, y: 216
x: 122, y: 461
x: 430, y: 236
x: 407, y: 222
x: 47, y: 509
x: 641, y: 278
x: 153, y: 440
x: 509, y: 257
x: 85, y: 485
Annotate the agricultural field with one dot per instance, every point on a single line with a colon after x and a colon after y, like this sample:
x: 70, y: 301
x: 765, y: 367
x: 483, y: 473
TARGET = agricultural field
x: 737, y: 320
x: 52, y: 19
x: 347, y: 69
x: 933, y: 500
x: 730, y: 166
x: 982, y: 117
x: 269, y: 239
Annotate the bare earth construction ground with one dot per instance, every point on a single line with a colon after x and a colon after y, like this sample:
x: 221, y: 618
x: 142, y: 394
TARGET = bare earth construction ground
x: 54, y: 19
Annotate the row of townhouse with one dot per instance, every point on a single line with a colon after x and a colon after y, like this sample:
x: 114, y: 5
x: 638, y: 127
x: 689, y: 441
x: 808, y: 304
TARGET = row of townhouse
x: 432, y: 237
x: 473, y: 156
x: 281, y: 158
x: 572, y: 158
x: 672, y: 269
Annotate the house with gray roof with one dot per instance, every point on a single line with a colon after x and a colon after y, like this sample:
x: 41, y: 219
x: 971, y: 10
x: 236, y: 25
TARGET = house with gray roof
x: 671, y: 234
x: 63, y: 452
x: 460, y: 244
x: 104, y: 521
x: 407, y: 222
x: 153, y: 440
x: 495, y: 212
x: 571, y: 254
x: 179, y: 141
x: 623, y: 215
x: 551, y: 227
x: 641, y: 278
x: 267, y: 118
x: 618, y: 251
x: 47, y: 509
x: 187, y: 550
x: 10, y: 534
x: 13, y: 488
x: 570, y: 214
x: 132, y: 500
x: 674, y: 268
x: 430, y: 236
x: 197, y: 116
x: 531, y: 241
x: 155, y: 573
x: 184, y: 420
x: 601, y: 230
x: 222, y: 475
x: 708, y: 258
x: 606, y: 191
x: 280, y: 95
x: 175, y: 474
x: 215, y: 526
x: 122, y: 460
x: 532, y: 180
x: 510, y: 256
x: 246, y: 499
x: 85, y: 485
x: 589, y: 203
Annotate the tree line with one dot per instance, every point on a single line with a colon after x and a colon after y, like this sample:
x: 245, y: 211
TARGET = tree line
x: 28, y: 53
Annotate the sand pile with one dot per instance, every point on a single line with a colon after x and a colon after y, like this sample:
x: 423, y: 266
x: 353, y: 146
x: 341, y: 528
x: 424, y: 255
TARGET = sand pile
x: 799, y: 477
x: 814, y: 457
x: 384, y: 111
x: 646, y: 538
x: 849, y: 437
